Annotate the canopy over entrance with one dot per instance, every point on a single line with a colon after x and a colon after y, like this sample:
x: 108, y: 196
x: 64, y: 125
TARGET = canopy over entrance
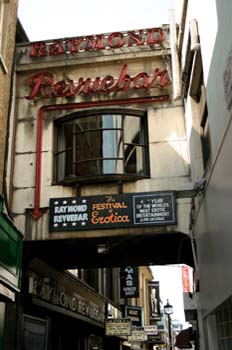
x: 159, y: 249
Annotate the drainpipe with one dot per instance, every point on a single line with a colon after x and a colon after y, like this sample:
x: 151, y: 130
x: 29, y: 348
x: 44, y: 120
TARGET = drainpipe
x: 174, y: 59
x: 182, y: 25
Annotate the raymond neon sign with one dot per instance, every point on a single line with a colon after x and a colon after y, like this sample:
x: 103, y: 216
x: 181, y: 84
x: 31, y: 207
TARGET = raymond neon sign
x: 43, y: 85
x: 153, y: 36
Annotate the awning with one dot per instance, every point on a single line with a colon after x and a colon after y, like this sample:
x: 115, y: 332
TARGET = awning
x: 183, y: 339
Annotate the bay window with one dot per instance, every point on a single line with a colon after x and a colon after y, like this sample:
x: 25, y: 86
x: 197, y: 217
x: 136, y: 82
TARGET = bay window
x: 101, y: 145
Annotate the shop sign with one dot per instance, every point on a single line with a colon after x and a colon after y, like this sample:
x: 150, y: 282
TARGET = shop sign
x: 137, y: 335
x: 112, y: 211
x: 112, y: 311
x: 44, y: 85
x: 153, y: 36
x: 154, y: 299
x: 186, y: 280
x: 135, y: 313
x: 49, y: 290
x: 118, y: 327
x: 129, y: 282
x: 151, y: 329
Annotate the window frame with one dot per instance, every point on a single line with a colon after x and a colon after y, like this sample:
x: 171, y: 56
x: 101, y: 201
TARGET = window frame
x: 4, y: 25
x: 205, y: 138
x: 103, y: 177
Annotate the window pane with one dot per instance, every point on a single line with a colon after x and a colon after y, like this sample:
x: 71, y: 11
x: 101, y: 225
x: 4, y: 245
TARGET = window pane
x: 88, y: 145
x: 112, y: 144
x: 133, y: 130
x: 64, y: 158
x: 135, y: 160
x: 64, y: 165
x: 88, y: 123
x: 64, y: 136
x: 88, y: 168
x: 113, y: 166
x: 99, y: 167
x: 112, y: 121
x: 60, y: 166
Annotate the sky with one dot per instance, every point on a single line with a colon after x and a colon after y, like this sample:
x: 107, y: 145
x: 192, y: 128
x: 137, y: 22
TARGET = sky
x: 170, y: 284
x: 53, y: 19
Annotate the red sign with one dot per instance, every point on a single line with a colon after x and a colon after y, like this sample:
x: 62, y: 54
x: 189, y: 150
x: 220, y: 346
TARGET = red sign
x: 114, y: 40
x: 186, y: 279
x: 43, y: 85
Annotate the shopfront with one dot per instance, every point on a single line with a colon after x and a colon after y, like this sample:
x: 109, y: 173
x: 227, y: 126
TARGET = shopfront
x: 60, y: 312
x: 10, y: 267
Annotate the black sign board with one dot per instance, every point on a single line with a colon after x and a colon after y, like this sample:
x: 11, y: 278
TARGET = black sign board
x: 129, y: 282
x: 112, y: 211
x: 154, y: 300
x: 135, y: 313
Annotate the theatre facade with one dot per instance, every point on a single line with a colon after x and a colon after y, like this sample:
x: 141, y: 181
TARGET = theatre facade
x: 100, y: 155
x: 98, y: 175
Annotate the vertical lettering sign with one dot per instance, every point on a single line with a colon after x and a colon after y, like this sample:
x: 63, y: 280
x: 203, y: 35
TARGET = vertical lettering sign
x: 158, y: 208
x: 112, y: 211
x: 129, y: 282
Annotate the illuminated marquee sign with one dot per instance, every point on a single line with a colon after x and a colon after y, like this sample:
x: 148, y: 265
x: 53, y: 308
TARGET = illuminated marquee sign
x: 112, y: 211
x: 43, y: 84
x: 98, y: 42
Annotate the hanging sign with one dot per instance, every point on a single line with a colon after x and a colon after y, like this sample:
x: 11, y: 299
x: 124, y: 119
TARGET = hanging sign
x: 137, y: 335
x: 118, y: 327
x: 129, y: 282
x: 112, y: 211
x: 154, y: 299
x: 135, y: 313
x: 151, y: 329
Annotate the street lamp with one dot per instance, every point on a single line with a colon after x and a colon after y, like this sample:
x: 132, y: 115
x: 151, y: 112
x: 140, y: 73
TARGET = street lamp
x: 168, y: 310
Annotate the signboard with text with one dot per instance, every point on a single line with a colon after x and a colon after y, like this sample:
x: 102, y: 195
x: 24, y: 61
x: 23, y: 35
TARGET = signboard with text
x: 154, y: 300
x: 135, y: 313
x: 137, y: 335
x: 129, y: 282
x: 118, y: 327
x: 151, y: 329
x: 112, y: 211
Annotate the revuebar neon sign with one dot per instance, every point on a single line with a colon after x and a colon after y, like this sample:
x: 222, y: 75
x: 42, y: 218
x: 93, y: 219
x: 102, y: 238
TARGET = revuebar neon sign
x: 43, y: 84
x: 153, y: 36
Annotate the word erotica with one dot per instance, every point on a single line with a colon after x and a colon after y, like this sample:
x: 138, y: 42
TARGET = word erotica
x: 114, y: 40
x: 43, y: 85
